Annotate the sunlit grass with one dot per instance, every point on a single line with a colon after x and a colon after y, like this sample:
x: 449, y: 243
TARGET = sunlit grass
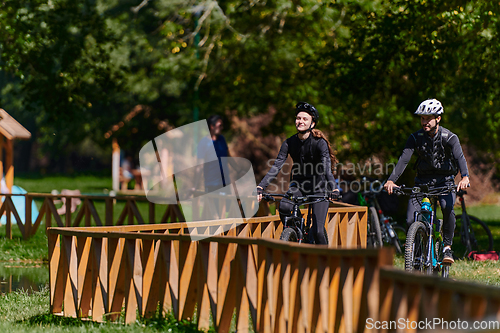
x: 24, y: 312
x: 486, y: 272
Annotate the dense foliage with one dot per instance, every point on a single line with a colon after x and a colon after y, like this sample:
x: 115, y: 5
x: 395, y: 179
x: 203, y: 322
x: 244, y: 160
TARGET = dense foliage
x: 77, y: 67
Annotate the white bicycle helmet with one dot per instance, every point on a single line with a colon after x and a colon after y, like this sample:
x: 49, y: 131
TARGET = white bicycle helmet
x: 430, y: 107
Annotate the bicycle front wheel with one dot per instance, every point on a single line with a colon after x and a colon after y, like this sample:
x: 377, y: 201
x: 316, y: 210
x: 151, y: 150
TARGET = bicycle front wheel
x: 374, y: 238
x: 417, y: 241
x: 479, y: 236
x: 289, y: 235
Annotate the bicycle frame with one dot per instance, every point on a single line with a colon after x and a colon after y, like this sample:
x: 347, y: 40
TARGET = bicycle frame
x: 464, y: 232
x: 430, y: 225
x: 386, y: 221
x: 433, y: 232
x: 388, y: 233
x: 296, y: 220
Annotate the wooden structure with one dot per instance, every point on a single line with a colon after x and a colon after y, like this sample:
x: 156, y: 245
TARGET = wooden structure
x: 95, y: 272
x: 418, y: 297
x: 119, y: 182
x: 10, y: 129
x: 210, y: 270
x: 269, y: 285
x: 87, y: 214
x: 344, y: 221
x: 115, y: 166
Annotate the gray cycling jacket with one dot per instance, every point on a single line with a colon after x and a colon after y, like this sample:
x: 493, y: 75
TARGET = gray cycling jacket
x: 438, y: 156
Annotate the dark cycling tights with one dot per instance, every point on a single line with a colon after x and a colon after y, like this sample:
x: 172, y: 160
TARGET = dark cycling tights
x: 446, y: 202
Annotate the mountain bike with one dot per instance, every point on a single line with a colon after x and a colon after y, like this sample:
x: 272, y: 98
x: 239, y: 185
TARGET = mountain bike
x: 295, y: 228
x: 471, y: 234
x: 381, y: 228
x: 424, y: 240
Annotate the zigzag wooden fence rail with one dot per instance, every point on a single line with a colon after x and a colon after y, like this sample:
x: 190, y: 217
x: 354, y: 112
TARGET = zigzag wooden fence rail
x: 263, y: 284
x: 86, y: 213
x: 273, y: 286
x: 423, y: 299
x: 130, y: 214
x: 346, y: 227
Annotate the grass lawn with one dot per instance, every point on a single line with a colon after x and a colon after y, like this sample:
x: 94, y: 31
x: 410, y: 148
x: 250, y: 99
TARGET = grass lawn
x: 23, y: 312
x: 87, y: 184
x: 487, y: 272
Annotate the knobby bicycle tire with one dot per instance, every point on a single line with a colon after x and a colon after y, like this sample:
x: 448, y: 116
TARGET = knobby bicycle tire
x: 375, y: 231
x: 480, y: 240
x: 289, y: 235
x: 416, y: 248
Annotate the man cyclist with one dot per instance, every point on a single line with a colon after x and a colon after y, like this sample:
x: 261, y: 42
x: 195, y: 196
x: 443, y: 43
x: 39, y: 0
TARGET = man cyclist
x: 313, y: 164
x: 440, y: 157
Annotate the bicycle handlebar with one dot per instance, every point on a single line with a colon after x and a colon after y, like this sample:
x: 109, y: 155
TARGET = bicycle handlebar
x: 424, y: 190
x: 298, y: 200
x: 270, y: 197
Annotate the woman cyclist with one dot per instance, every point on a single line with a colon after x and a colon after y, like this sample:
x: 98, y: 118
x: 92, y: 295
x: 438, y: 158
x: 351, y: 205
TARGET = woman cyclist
x: 312, y: 170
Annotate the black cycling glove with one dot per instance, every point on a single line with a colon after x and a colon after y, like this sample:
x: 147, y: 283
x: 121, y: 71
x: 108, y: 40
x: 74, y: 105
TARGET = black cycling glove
x: 334, y: 195
x: 258, y: 191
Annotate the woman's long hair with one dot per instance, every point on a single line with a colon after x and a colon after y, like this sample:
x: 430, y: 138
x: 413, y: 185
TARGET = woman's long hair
x: 318, y: 134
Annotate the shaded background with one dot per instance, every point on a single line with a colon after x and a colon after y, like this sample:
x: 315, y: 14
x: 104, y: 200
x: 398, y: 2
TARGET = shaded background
x: 79, y: 73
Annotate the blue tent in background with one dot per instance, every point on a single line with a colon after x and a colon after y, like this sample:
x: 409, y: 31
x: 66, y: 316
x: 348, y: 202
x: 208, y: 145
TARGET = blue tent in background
x: 19, y: 203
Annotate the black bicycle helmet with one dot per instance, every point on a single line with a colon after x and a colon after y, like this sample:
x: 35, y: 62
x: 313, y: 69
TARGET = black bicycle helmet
x: 306, y: 107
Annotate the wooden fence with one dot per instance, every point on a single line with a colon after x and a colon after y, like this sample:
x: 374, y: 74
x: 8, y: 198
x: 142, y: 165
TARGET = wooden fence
x: 261, y: 283
x: 88, y: 215
x: 423, y: 299
x: 346, y: 227
x: 85, y: 214
x: 272, y: 285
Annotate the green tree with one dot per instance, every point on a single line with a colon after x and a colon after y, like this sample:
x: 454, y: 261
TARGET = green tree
x: 82, y: 66
x: 408, y: 52
x: 59, y: 51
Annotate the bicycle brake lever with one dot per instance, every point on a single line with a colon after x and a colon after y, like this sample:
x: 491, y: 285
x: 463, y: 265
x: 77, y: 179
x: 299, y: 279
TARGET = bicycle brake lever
x: 268, y: 197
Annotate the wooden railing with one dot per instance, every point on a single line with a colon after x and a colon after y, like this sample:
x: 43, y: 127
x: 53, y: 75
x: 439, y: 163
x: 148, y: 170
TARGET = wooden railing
x: 261, y: 283
x: 345, y: 225
x: 346, y: 231
x: 423, y: 299
x: 273, y: 286
x: 86, y: 215
x: 233, y: 266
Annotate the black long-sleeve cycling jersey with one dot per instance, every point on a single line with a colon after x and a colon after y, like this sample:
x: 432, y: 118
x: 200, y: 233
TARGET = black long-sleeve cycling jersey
x: 311, y: 164
x: 437, y: 156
